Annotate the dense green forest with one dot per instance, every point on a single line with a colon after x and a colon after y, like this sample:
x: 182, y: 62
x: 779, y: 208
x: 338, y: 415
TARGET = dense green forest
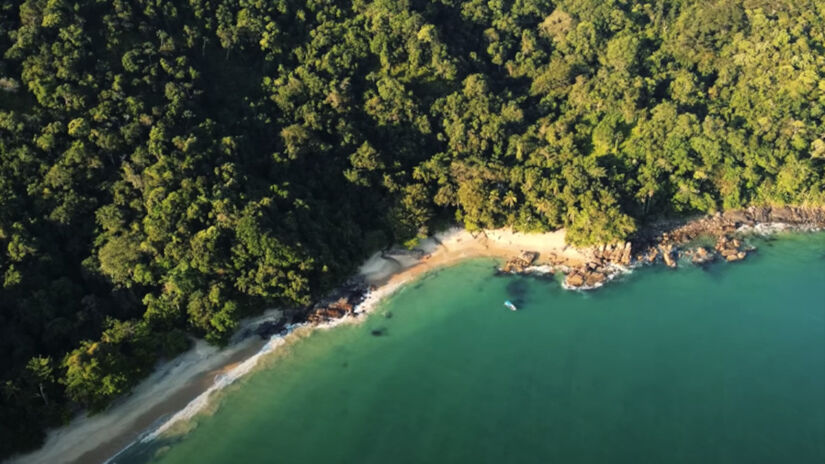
x: 170, y: 166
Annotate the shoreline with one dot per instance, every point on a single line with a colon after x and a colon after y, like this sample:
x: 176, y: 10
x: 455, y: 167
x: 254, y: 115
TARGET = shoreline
x: 180, y: 385
x: 455, y: 244
x: 702, y: 240
x: 180, y: 388
x: 97, y: 438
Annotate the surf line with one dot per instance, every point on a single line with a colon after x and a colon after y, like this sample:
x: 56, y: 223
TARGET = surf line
x: 275, y: 342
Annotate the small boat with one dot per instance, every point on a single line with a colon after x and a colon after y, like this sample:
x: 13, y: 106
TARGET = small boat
x: 510, y: 305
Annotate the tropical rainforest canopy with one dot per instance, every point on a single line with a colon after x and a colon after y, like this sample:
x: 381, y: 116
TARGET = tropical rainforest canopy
x: 170, y: 166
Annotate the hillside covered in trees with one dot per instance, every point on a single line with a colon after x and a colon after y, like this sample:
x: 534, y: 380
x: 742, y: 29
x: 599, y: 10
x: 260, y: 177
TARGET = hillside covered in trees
x: 170, y: 166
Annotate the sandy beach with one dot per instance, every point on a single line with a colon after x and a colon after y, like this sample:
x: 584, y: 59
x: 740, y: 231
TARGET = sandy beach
x: 188, y: 380
x: 457, y: 244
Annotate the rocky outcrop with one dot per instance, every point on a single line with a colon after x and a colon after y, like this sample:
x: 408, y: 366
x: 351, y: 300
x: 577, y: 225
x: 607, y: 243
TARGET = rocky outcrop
x: 614, y: 253
x: 267, y: 329
x: 667, y: 240
x: 603, y: 263
x: 594, y: 278
x: 730, y: 248
x: 785, y: 214
x: 520, y: 263
x: 341, y: 303
x: 738, y: 217
x: 731, y: 221
x: 666, y: 243
x: 700, y: 256
x: 667, y: 255
x: 650, y: 256
x: 583, y: 278
x: 574, y: 279
x: 627, y: 254
x: 335, y: 310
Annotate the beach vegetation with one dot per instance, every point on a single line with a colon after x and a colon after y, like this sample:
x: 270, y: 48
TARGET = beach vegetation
x: 168, y: 168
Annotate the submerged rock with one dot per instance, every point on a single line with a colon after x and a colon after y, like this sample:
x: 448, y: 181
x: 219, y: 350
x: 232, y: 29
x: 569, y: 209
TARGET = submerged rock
x: 731, y: 249
x: 736, y: 257
x: 701, y: 256
x: 517, y: 288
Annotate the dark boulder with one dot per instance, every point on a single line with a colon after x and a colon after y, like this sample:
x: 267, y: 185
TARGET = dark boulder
x: 267, y: 329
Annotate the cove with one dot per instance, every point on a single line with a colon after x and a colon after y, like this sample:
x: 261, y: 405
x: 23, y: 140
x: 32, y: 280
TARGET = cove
x: 721, y: 364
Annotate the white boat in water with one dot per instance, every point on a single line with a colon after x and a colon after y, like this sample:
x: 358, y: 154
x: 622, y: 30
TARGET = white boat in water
x: 510, y: 305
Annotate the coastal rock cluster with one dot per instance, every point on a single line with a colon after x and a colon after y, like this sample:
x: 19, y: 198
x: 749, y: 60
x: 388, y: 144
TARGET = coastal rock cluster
x: 590, y: 276
x: 726, y: 229
x: 338, y: 305
x: 519, y: 263
x: 730, y: 248
x: 616, y: 253
x: 730, y: 222
x: 605, y: 261
x: 667, y: 243
x: 670, y: 242
x: 700, y: 255
x: 342, y: 302
x: 334, y: 310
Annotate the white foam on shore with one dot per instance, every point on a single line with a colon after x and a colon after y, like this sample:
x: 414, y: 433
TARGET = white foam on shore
x: 85, y: 433
x: 202, y: 401
x: 174, y: 424
x: 376, y: 267
x: 90, y: 434
x: 767, y: 228
x: 771, y: 228
x: 543, y: 269
x: 612, y: 271
x: 221, y: 382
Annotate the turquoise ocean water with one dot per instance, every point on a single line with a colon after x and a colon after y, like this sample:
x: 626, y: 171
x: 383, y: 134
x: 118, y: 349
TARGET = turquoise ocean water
x: 717, y: 365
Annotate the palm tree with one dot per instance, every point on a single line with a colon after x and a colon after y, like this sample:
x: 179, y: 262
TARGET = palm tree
x: 510, y: 199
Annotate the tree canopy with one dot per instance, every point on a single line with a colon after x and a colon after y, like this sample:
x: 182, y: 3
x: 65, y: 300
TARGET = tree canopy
x: 168, y: 167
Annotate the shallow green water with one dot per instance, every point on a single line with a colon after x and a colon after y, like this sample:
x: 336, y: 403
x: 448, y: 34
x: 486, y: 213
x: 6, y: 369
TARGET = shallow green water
x: 690, y: 366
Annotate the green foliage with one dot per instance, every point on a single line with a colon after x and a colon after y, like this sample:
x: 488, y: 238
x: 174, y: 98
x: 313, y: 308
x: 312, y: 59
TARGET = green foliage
x: 168, y: 167
x: 97, y: 372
